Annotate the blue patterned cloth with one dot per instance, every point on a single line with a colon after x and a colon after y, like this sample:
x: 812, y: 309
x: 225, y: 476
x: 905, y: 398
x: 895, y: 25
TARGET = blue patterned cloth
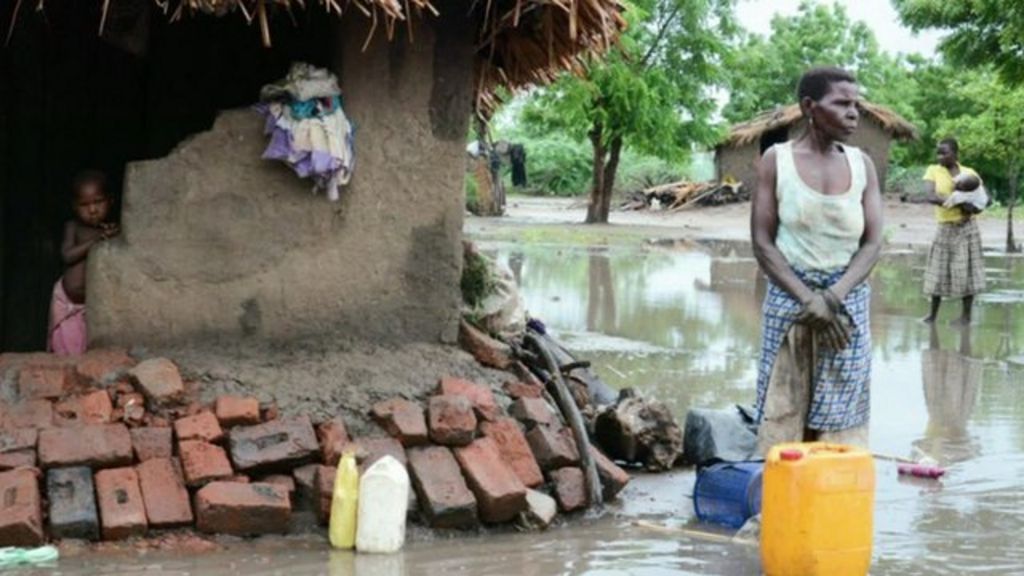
x: 841, y: 397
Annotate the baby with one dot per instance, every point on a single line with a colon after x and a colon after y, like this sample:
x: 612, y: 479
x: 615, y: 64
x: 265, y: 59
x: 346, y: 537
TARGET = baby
x: 968, y: 194
x: 91, y: 205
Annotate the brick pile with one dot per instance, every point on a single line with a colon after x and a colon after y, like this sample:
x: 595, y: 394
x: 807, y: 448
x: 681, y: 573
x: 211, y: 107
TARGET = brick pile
x: 101, y: 447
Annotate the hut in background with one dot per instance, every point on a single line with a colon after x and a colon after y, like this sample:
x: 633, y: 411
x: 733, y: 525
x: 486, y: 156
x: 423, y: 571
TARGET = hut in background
x: 738, y: 155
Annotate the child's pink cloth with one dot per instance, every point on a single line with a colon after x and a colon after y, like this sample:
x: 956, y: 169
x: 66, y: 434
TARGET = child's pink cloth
x: 67, y: 324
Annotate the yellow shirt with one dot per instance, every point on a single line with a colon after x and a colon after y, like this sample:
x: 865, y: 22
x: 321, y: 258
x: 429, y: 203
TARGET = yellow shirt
x: 944, y: 188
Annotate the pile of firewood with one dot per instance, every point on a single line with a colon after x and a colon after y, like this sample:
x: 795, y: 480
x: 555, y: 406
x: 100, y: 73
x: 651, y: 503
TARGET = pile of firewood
x: 681, y: 195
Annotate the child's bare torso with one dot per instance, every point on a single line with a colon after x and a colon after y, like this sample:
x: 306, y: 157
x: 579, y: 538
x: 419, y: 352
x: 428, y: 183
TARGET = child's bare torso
x: 74, y: 275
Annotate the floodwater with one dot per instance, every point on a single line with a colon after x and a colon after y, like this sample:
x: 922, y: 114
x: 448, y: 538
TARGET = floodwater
x: 680, y: 323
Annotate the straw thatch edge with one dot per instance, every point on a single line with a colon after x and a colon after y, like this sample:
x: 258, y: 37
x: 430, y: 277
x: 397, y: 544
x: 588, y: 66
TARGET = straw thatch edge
x: 752, y: 130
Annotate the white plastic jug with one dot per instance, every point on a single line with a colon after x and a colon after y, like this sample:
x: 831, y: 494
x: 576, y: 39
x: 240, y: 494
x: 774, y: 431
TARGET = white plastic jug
x: 383, y: 503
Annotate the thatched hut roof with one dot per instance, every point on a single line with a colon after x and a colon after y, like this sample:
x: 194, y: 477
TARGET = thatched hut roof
x: 521, y: 42
x: 751, y: 131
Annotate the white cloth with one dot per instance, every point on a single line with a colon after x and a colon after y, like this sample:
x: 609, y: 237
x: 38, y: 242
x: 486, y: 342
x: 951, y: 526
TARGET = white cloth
x: 818, y: 231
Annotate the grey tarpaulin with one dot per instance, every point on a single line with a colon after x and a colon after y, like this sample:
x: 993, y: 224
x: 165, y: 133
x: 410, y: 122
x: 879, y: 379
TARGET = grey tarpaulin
x: 719, y: 436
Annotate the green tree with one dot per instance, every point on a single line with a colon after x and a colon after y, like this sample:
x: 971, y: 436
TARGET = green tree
x: 651, y: 92
x: 982, y: 32
x: 992, y: 135
x: 764, y: 70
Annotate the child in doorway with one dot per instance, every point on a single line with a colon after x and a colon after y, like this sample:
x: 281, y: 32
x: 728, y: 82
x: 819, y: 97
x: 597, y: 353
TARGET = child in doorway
x: 91, y: 205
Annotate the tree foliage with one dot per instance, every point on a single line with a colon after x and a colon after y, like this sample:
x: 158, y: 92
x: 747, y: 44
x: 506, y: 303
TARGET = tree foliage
x: 651, y: 92
x: 981, y: 32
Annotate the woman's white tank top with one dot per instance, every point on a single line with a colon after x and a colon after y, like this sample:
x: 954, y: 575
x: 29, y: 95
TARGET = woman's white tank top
x: 816, y: 231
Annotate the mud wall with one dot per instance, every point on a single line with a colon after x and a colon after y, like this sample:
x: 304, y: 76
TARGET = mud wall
x: 218, y: 243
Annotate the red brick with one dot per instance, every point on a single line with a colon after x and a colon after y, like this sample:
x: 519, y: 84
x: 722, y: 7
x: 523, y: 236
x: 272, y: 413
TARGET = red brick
x: 95, y: 366
x: 160, y: 381
x: 570, y: 489
x: 203, y: 462
x: 240, y: 478
x: 18, y: 360
x: 203, y: 427
x: 17, y: 440
x: 531, y: 411
x: 485, y: 350
x: 333, y: 438
x: 402, y: 420
x: 97, y: 446
x: 552, y: 448
x: 287, y: 482
x: 242, y: 509
x: 43, y: 382
x: 525, y: 375
x: 17, y: 459
x: 150, y: 443
x: 515, y: 450
x: 35, y: 414
x: 164, y: 494
x: 270, y: 412
x: 237, y: 411
x: 323, y: 492
x: 122, y: 512
x: 21, y: 512
x: 519, y: 390
x: 276, y: 445
x: 369, y: 450
x: 451, y: 420
x: 500, y: 496
x: 613, y: 478
x: 71, y: 494
x: 305, y: 479
x: 92, y: 408
x: 484, y: 404
x: 441, y: 489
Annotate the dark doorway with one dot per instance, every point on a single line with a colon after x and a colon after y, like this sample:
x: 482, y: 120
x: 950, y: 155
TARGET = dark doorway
x: 71, y: 100
x: 773, y: 137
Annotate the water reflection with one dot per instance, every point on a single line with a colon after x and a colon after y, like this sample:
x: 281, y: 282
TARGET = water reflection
x: 951, y: 380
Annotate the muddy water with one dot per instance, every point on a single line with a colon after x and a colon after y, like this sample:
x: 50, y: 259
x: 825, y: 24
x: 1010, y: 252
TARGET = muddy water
x: 680, y: 322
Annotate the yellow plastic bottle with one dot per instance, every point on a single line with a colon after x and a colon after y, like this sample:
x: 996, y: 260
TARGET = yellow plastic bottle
x: 345, y: 504
x: 817, y: 510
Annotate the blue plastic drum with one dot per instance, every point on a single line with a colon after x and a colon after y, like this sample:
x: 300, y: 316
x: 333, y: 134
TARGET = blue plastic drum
x: 728, y: 493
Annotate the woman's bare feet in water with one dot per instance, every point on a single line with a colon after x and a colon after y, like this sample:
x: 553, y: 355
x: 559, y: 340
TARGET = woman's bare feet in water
x: 961, y: 322
x: 929, y: 319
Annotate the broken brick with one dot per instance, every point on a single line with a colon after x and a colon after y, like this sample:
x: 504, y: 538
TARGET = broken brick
x: 164, y: 494
x: 403, y: 420
x: 486, y: 350
x: 443, y: 495
x: 122, y: 511
x: 323, y: 492
x: 484, y: 404
x: 613, y: 478
x: 333, y: 438
x: 533, y: 411
x: 276, y: 445
x: 305, y: 478
x: 72, y: 498
x: 500, y: 496
x: 242, y: 509
x: 237, y: 411
x: 369, y: 450
x: 21, y: 512
x: 570, y: 489
x: 203, y: 427
x: 17, y: 440
x: 97, y: 446
x: 150, y: 443
x: 160, y: 381
x: 35, y: 414
x: 92, y: 408
x: 270, y: 412
x: 240, y: 478
x: 552, y: 448
x: 43, y: 382
x: 203, y: 462
x: 515, y: 450
x: 518, y: 390
x: 96, y: 366
x: 17, y: 459
x: 451, y: 420
x: 540, y: 512
x: 283, y: 480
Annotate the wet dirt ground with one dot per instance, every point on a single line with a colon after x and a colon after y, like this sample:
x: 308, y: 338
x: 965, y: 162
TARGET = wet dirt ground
x: 678, y: 320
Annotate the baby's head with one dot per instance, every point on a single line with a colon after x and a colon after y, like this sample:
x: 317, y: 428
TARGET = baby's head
x: 967, y: 182
x: 90, y: 199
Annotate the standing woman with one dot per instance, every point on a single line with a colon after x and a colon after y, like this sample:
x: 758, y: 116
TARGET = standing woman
x: 816, y: 227
x: 956, y: 267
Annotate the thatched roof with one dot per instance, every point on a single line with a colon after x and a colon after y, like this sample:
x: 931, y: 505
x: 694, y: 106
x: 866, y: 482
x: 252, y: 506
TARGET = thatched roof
x: 521, y: 42
x: 751, y: 131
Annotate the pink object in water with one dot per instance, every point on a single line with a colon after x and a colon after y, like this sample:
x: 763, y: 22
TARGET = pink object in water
x: 67, y: 335
x: 922, y: 470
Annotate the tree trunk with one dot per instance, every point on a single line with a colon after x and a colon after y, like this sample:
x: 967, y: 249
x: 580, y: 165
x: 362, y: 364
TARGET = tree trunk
x: 610, y: 169
x: 1011, y: 243
x: 597, y: 185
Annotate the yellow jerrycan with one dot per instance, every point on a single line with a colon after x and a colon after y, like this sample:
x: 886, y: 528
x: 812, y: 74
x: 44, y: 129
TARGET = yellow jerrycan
x: 817, y: 510
x: 345, y: 504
